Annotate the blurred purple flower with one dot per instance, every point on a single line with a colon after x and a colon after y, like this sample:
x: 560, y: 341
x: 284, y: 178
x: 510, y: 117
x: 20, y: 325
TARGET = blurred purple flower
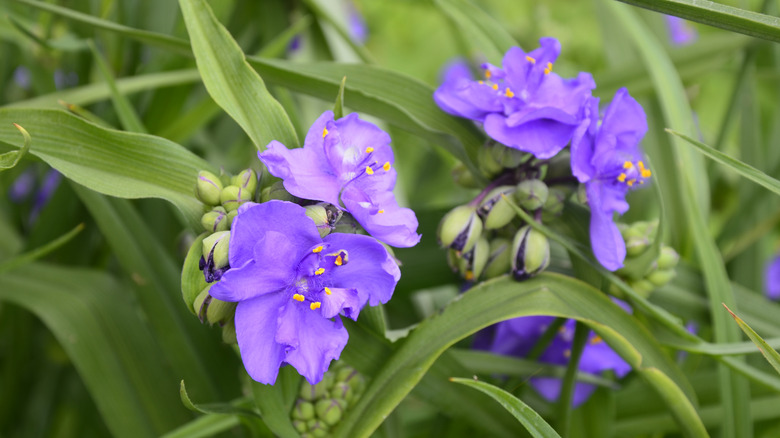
x: 49, y: 185
x: 356, y: 23
x: 348, y: 163
x: 65, y: 80
x: 23, y: 186
x: 524, y: 105
x: 295, y: 44
x: 607, y: 158
x: 681, y: 33
x: 291, y: 286
x: 772, y: 279
x: 22, y: 77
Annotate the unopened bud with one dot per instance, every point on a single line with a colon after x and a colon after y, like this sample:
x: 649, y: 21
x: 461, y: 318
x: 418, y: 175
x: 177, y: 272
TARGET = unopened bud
x: 463, y: 177
x: 324, y: 216
x: 208, y: 188
x: 638, y: 237
x: 642, y: 287
x: 215, y: 220
x: 317, y: 428
x: 303, y: 410
x: 300, y: 426
x: 276, y: 191
x: 661, y: 277
x: 229, y: 332
x: 233, y: 196
x: 215, y: 259
x: 500, y: 260
x: 219, y: 311
x: 553, y: 207
x: 495, y: 210
x: 531, y: 253
x: 531, y: 194
x: 247, y: 179
x: 312, y: 392
x: 508, y: 157
x: 487, y: 162
x: 330, y: 410
x: 230, y: 216
x: 460, y: 228
x: 667, y: 259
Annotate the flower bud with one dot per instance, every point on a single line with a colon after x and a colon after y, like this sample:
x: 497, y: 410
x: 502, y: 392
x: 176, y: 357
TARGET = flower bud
x: 556, y: 198
x: 499, y: 260
x: 463, y: 177
x: 324, y: 216
x: 303, y: 410
x: 215, y: 220
x: 508, y: 157
x: 531, y: 253
x: 661, y: 277
x: 247, y: 179
x: 495, y: 210
x: 487, y: 162
x: 667, y: 259
x: 229, y: 332
x: 215, y: 255
x: 276, y: 191
x: 471, y: 264
x: 460, y: 228
x: 642, y: 287
x: 329, y: 410
x: 300, y: 426
x: 317, y: 428
x: 531, y: 194
x: 197, y: 305
x: 208, y: 188
x: 312, y: 392
x: 218, y: 311
x: 638, y: 237
x: 230, y: 216
x: 233, y: 196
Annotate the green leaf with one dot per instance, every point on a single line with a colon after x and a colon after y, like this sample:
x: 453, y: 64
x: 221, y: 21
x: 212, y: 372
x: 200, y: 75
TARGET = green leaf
x: 192, y: 280
x: 501, y: 299
x: 717, y: 15
x: 238, y: 407
x: 95, y: 321
x: 338, y: 107
x: 127, y: 115
x: 276, y: 401
x: 11, y: 159
x: 205, y: 426
x: 535, y: 424
x: 769, y: 353
x: 41, y: 251
x: 479, y: 30
x: 743, y: 169
x: 233, y: 84
x: 122, y: 164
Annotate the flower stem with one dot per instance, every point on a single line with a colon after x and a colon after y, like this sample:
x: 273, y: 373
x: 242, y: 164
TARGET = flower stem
x: 567, y: 387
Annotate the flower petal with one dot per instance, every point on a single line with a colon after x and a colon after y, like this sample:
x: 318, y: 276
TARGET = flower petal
x: 381, y: 216
x: 772, y: 279
x: 247, y: 282
x: 542, y: 137
x: 336, y: 299
x: 550, y: 389
x: 256, y: 322
x: 605, y: 237
x: 306, y: 172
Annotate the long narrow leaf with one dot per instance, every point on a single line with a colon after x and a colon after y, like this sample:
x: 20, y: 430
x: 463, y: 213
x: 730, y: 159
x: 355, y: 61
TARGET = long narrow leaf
x: 771, y: 355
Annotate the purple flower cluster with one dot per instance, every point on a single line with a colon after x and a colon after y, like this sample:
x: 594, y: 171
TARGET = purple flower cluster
x: 526, y: 106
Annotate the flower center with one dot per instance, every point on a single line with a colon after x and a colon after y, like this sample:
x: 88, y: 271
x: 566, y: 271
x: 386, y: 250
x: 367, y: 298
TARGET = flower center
x: 633, y: 173
x: 312, y: 284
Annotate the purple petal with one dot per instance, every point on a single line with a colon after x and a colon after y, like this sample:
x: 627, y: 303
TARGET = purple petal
x: 340, y: 299
x: 256, y: 323
x: 249, y: 281
x: 370, y: 268
x: 312, y: 341
x: 381, y: 216
x: 598, y: 356
x: 306, y: 173
x: 583, y: 142
x: 605, y: 238
x: 772, y: 279
x: 550, y: 389
x: 542, y: 137
x: 22, y: 186
x: 681, y: 32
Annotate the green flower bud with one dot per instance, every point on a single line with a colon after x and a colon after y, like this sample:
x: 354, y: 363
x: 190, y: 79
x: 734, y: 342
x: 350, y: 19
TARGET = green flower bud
x: 559, y: 166
x: 300, y: 426
x: 276, y: 191
x: 324, y: 216
x: 463, y: 177
x: 472, y: 263
x: 329, y: 410
x: 342, y: 391
x: 460, y: 228
x: 303, y: 410
x: 531, y: 253
x: 487, y: 162
x: 638, y: 236
x: 508, y: 157
x: 661, y: 277
x: 495, y: 210
x: 197, y: 305
x: 532, y: 194
x: 233, y: 196
x: 208, y: 188
x: 218, y: 311
x: 556, y: 198
x: 346, y: 224
x: 499, y: 260
x: 312, y: 392
x: 667, y: 259
x: 229, y: 332
x: 216, y: 248
x: 215, y: 220
x: 317, y: 428
x: 642, y: 287
x: 247, y: 180
x: 230, y: 216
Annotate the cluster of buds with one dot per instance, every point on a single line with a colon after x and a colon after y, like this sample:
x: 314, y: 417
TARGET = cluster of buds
x: 223, y: 196
x: 639, y: 237
x: 485, y: 238
x: 320, y: 407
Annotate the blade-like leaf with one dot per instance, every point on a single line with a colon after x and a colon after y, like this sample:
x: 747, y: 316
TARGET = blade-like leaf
x: 275, y: 402
x: 535, y: 424
x: 238, y: 407
x: 233, y: 84
x: 11, y: 159
x: 771, y: 355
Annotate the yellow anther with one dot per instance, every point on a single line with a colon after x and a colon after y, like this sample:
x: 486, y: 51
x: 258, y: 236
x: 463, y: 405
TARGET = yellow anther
x: 369, y: 170
x: 548, y: 69
x: 646, y: 173
x: 328, y: 291
x: 298, y: 297
x: 628, y: 164
x: 324, y: 132
x: 319, y: 271
x: 315, y: 305
x: 488, y: 74
x: 469, y: 276
x: 339, y: 261
x: 481, y: 82
x: 317, y: 249
x: 631, y: 182
x: 641, y: 164
x: 567, y: 353
x: 596, y: 340
x: 622, y: 177
x: 386, y: 166
x: 369, y: 150
x: 495, y: 86
x: 509, y: 93
x: 380, y: 211
x: 530, y: 59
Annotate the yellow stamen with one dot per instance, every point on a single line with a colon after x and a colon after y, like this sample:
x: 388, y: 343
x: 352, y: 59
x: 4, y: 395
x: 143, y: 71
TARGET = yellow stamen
x: 324, y: 132
x: 469, y: 276
x: 622, y: 177
x: 298, y: 297
x: 646, y: 173
x: 495, y: 86
x: 631, y: 182
x: 596, y: 340
x: 319, y: 271
x: 567, y: 353
x: 369, y: 170
x: 628, y: 165
x: 481, y: 82
x: 339, y: 261
x: 380, y: 211
x: 509, y: 93
x: 328, y: 291
x: 530, y: 59
x: 314, y: 306
x: 317, y: 249
x: 548, y: 69
x: 369, y: 150
x: 386, y: 166
x: 488, y: 74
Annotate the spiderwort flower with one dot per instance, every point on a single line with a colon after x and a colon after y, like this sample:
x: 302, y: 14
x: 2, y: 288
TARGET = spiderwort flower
x: 291, y: 285
x: 607, y: 158
x: 772, y: 279
x: 524, y: 105
x: 348, y: 163
x: 681, y: 33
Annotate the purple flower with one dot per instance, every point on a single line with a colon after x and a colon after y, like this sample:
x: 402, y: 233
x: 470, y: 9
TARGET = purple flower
x: 517, y: 337
x: 524, y: 105
x: 772, y: 279
x: 357, y: 24
x: 607, y: 158
x: 347, y: 162
x: 291, y: 286
x: 50, y: 183
x: 681, y: 32
x: 23, y: 186
x: 22, y: 77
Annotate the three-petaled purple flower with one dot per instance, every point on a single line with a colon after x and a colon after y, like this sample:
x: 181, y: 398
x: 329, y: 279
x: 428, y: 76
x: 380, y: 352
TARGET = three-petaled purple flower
x: 349, y: 163
x: 524, y: 105
x: 607, y: 158
x: 291, y: 285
